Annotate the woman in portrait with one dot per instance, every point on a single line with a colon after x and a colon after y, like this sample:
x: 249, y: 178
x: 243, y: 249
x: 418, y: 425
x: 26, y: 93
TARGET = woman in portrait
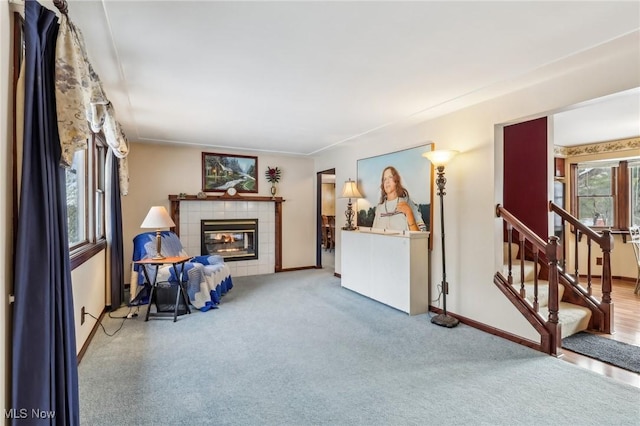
x: 396, y: 210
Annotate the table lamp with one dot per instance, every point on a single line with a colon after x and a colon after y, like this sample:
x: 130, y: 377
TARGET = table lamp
x: 158, y: 218
x: 350, y: 190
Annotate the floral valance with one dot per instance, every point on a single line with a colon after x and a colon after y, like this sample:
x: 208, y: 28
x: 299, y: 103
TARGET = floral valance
x: 82, y: 105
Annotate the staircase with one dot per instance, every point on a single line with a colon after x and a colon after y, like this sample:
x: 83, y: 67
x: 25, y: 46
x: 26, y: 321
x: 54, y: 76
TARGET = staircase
x: 572, y: 318
x: 535, y: 280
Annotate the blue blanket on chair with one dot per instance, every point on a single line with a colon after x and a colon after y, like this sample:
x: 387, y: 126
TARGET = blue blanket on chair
x: 206, y: 278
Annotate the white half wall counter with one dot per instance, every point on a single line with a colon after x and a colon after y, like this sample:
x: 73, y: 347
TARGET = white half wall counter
x: 391, y: 267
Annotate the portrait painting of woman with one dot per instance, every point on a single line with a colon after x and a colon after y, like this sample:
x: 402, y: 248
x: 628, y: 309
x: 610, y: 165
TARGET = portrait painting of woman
x: 396, y: 210
x: 396, y: 190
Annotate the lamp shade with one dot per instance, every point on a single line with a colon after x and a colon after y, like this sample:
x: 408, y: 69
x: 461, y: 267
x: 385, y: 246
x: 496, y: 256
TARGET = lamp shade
x: 350, y: 190
x: 440, y: 158
x: 157, y: 218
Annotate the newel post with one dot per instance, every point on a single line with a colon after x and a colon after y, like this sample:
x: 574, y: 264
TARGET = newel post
x: 553, y: 324
x: 606, y: 304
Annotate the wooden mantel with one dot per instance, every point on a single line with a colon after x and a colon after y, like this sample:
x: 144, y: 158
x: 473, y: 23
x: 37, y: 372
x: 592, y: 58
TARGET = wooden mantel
x: 277, y: 201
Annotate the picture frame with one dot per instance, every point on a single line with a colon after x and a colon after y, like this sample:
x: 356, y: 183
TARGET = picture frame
x: 416, y: 175
x: 223, y: 171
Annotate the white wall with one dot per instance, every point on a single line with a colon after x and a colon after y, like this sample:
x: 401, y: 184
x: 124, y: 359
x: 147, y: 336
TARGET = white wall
x: 156, y: 171
x: 623, y: 260
x: 474, y: 178
x: 89, y: 290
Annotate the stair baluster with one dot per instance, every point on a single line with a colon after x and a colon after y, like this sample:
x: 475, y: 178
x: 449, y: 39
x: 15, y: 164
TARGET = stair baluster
x: 588, y: 266
x: 554, y: 304
x: 576, y: 273
x: 606, y: 304
x: 536, y: 259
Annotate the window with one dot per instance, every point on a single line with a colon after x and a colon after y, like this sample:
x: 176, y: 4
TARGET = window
x: 606, y: 193
x: 85, y: 185
x: 76, y: 199
x: 596, y: 195
x: 101, y: 161
x: 634, y: 184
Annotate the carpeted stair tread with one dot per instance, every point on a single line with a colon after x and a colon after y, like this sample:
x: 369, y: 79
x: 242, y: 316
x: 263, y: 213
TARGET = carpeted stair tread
x: 543, y: 291
x: 529, y: 270
x: 573, y: 318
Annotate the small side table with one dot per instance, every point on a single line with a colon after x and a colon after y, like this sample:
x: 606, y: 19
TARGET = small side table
x: 178, y: 263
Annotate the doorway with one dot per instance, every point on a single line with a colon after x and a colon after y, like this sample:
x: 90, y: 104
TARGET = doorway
x: 325, y: 217
x: 526, y: 164
x: 525, y: 174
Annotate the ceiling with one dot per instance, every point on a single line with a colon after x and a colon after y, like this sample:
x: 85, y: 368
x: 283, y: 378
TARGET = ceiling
x: 608, y: 118
x: 299, y: 77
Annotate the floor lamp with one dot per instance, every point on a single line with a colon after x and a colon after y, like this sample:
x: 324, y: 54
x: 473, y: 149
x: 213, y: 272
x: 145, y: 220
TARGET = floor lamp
x: 439, y: 159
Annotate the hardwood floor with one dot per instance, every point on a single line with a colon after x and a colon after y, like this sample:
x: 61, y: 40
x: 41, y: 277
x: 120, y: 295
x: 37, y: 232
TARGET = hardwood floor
x: 626, y: 324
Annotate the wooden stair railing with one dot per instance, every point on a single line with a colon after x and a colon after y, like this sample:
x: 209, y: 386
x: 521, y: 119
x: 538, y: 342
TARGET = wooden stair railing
x: 602, y: 310
x: 548, y: 254
x: 548, y: 328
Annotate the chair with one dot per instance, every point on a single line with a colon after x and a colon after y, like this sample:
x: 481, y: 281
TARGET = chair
x: 207, y: 278
x: 332, y: 232
x: 324, y: 230
x: 634, y: 233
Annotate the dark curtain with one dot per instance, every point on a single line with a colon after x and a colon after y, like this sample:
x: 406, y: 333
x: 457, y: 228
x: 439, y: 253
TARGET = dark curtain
x: 44, y: 363
x: 117, y: 251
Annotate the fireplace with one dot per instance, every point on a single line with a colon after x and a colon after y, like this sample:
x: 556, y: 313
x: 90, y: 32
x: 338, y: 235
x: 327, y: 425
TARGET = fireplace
x: 233, y: 239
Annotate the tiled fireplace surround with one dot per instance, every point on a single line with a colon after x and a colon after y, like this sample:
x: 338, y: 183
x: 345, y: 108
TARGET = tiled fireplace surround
x: 188, y: 212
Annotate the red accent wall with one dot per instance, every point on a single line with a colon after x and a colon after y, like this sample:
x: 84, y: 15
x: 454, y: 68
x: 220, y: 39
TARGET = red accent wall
x: 525, y: 174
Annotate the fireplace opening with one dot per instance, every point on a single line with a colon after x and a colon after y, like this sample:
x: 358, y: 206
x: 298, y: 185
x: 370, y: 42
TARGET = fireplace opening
x: 233, y: 239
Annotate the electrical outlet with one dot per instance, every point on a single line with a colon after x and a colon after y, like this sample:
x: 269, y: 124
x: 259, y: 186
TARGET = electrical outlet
x: 598, y: 261
x: 82, y: 314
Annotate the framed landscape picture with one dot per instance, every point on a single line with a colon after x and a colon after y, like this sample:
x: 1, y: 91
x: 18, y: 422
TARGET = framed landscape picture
x: 222, y: 171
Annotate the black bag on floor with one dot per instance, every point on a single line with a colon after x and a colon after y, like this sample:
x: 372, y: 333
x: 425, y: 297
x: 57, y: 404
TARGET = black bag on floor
x: 165, y: 298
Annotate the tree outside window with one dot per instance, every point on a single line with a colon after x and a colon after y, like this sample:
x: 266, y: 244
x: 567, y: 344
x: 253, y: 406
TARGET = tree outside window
x: 76, y: 199
x: 634, y: 184
x: 85, y: 186
x: 595, y: 196
x: 607, y: 193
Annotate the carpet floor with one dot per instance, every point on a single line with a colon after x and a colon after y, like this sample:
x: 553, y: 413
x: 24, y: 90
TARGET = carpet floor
x: 612, y: 352
x: 297, y: 349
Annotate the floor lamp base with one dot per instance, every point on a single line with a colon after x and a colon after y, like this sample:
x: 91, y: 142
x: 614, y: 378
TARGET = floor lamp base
x: 445, y: 320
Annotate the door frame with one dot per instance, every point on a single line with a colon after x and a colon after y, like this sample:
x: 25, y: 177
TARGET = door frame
x: 319, y: 214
